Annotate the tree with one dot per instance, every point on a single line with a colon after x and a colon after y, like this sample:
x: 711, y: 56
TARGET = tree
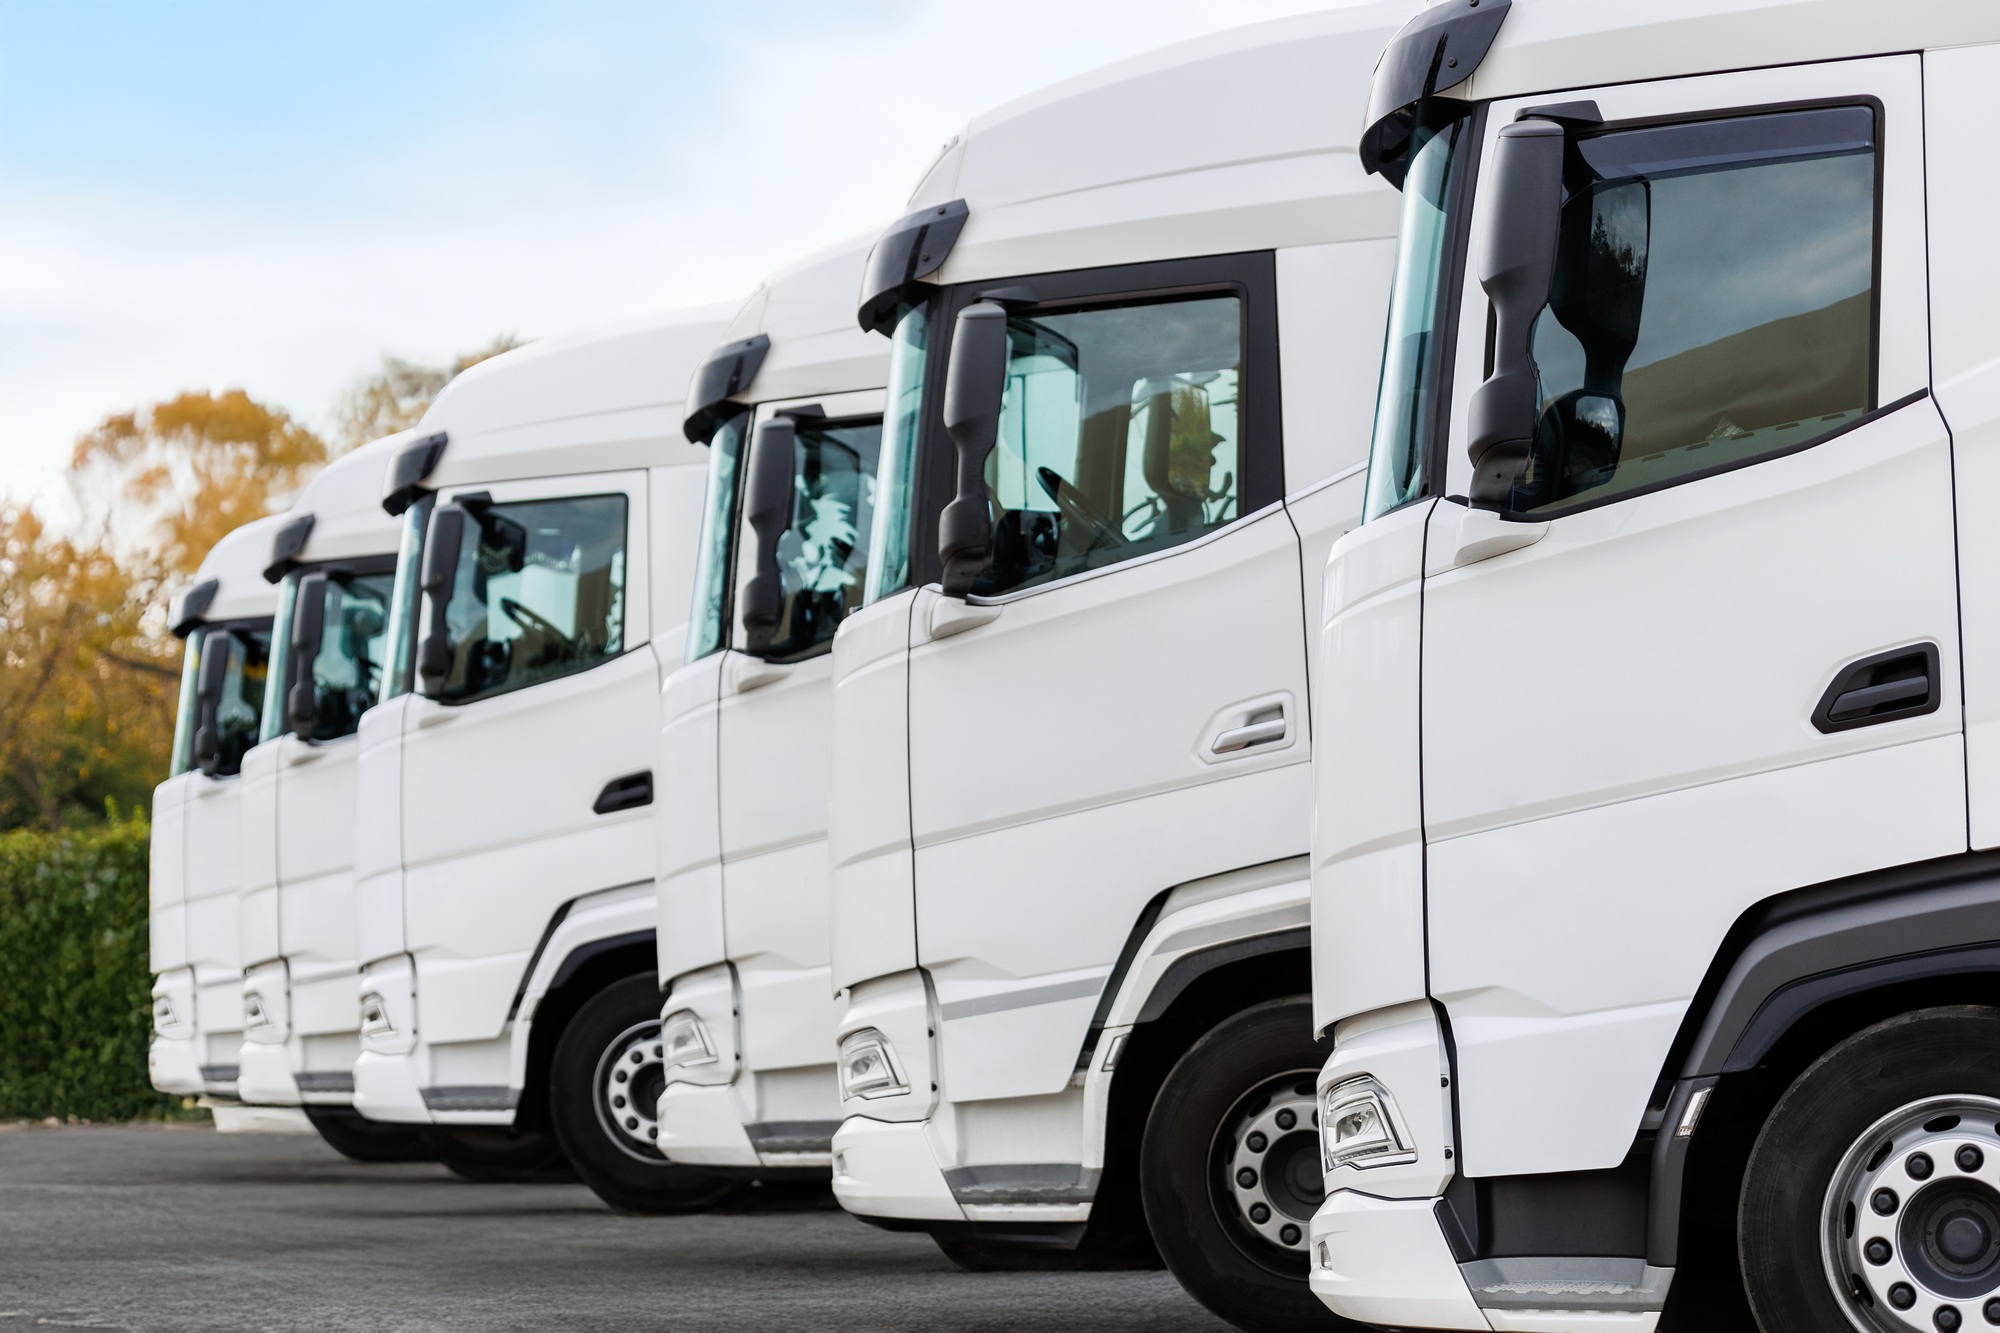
x: 396, y: 396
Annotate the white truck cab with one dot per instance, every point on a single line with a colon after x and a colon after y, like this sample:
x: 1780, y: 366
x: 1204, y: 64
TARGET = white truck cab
x: 505, y: 840
x: 1070, y: 802
x: 790, y: 409
x: 225, y: 618
x: 334, y: 560
x: 1655, y: 906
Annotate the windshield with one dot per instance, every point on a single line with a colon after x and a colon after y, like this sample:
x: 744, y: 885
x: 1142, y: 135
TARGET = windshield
x: 889, y: 543
x: 183, y: 755
x: 276, y: 680
x: 400, y: 651
x: 708, y: 614
x: 1409, y: 373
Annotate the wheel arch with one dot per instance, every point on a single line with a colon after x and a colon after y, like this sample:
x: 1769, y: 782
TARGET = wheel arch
x: 585, y: 970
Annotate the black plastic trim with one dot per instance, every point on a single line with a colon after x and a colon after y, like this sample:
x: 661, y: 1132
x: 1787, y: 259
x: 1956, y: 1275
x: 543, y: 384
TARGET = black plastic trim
x: 286, y: 543
x: 729, y: 370
x: 412, y: 466
x: 1148, y: 917
x: 583, y: 953
x: 1185, y: 971
x: 1432, y: 53
x: 190, y: 604
x: 1855, y: 687
x: 626, y: 793
x: 913, y: 248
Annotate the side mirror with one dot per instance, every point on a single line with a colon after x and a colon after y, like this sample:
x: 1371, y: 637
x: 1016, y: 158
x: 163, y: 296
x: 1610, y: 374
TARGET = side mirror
x: 1517, y: 268
x: 213, y: 675
x: 308, y: 624
x: 440, y: 573
x: 767, y: 507
x: 975, y: 383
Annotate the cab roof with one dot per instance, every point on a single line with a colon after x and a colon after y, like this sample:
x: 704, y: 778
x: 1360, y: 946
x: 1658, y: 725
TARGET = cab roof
x: 806, y: 309
x: 608, y: 398
x: 345, y: 501
x: 236, y: 565
x: 1241, y: 140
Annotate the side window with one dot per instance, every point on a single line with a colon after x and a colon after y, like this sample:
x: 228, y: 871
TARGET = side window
x: 1119, y: 436
x: 823, y: 551
x: 399, y: 649
x: 184, y: 712
x: 347, y: 670
x: 891, y: 529
x: 242, y: 706
x: 540, y: 593
x: 1713, y: 301
x: 709, y: 615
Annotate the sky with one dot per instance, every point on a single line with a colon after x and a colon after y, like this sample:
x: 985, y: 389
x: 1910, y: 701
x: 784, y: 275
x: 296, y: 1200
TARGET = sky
x: 206, y: 194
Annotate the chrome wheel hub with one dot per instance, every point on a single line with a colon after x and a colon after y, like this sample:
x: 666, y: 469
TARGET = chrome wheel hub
x: 1911, y: 1223
x: 1272, y: 1168
x: 630, y: 1077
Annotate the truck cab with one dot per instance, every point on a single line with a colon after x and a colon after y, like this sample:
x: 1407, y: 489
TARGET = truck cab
x: 1653, y: 883
x: 333, y: 558
x: 224, y: 617
x: 505, y: 839
x: 1132, y: 324
x: 789, y: 408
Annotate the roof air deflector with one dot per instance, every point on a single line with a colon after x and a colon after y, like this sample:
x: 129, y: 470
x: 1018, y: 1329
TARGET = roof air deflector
x: 728, y: 371
x: 184, y: 613
x: 1435, y: 51
x: 414, y: 463
x: 912, y: 249
x: 286, y: 543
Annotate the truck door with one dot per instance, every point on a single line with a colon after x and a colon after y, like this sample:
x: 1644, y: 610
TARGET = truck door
x: 1728, y: 666
x: 1131, y: 715
x: 528, y: 762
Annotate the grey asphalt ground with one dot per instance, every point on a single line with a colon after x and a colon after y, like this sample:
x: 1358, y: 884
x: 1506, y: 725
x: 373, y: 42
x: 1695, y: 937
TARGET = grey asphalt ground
x: 178, y: 1227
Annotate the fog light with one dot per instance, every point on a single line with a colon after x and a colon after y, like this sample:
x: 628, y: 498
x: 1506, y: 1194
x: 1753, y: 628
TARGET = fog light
x: 684, y: 1040
x: 867, y: 1067
x: 375, y: 1020
x: 1358, y: 1127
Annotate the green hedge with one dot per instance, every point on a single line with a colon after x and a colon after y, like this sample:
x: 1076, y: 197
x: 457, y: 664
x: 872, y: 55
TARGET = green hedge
x: 75, y: 986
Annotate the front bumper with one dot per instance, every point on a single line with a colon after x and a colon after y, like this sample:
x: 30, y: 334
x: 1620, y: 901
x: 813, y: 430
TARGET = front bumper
x: 173, y: 1067
x: 264, y: 1074
x: 385, y: 1088
x: 890, y: 1170
x: 1385, y: 1261
x: 702, y: 1126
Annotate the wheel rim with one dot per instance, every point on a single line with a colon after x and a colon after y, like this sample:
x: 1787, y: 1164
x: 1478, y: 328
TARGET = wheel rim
x: 1268, y: 1159
x: 630, y: 1078
x: 1910, y: 1227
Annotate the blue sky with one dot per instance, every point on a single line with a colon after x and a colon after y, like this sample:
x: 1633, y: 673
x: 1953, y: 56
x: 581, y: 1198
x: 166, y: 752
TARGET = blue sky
x: 219, y: 193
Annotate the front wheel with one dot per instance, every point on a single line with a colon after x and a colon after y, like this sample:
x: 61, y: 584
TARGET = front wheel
x: 1871, y: 1200
x: 359, y: 1139
x: 499, y: 1155
x: 604, y: 1094
x: 1230, y: 1173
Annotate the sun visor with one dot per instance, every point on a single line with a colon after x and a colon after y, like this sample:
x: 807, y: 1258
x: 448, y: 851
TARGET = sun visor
x: 1435, y: 51
x: 286, y: 543
x: 727, y: 372
x: 911, y: 250
x: 190, y: 604
x: 413, y: 464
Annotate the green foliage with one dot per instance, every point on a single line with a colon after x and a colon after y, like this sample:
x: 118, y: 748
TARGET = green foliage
x: 76, y: 1006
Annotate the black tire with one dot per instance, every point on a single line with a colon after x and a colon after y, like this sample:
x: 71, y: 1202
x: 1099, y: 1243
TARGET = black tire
x: 500, y: 1155
x: 1846, y: 1134
x: 610, y: 1052
x: 1256, y: 1064
x: 360, y: 1139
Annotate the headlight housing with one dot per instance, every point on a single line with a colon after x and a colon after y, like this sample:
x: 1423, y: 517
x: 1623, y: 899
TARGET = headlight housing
x: 375, y: 1020
x: 868, y: 1066
x: 1359, y: 1126
x: 165, y: 1020
x: 684, y: 1040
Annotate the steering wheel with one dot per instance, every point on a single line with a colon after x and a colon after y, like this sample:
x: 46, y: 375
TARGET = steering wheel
x: 1073, y: 509
x: 533, y: 621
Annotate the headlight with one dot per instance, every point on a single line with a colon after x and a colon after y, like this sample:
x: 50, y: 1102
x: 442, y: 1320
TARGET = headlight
x: 164, y: 1017
x: 1358, y: 1126
x: 254, y: 1015
x: 375, y: 1020
x: 684, y: 1040
x: 867, y: 1067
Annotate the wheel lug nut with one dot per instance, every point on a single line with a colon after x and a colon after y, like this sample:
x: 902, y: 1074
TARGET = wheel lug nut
x: 637, y: 1056
x: 1259, y: 1214
x: 620, y: 1075
x: 1992, y: 1311
x: 1946, y: 1317
x: 1878, y: 1251
x: 1902, y: 1295
x: 1247, y: 1178
x: 1287, y: 1118
x: 1289, y: 1234
x: 1256, y: 1142
x: 653, y: 1133
x: 1919, y: 1166
x: 631, y: 1122
x: 618, y: 1102
x: 1884, y: 1202
x: 1969, y: 1158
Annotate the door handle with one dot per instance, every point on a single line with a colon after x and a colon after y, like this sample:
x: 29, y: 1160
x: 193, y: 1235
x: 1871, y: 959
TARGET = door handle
x: 626, y: 793
x: 1883, y: 688
x: 1242, y: 738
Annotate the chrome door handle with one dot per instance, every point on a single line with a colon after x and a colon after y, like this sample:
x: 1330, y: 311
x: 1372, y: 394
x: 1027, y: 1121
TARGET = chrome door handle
x: 1242, y: 738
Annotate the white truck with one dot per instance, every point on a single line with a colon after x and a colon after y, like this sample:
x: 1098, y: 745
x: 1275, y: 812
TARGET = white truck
x: 1655, y: 901
x: 790, y: 410
x: 334, y: 559
x: 1070, y: 802
x: 225, y: 618
x: 504, y: 834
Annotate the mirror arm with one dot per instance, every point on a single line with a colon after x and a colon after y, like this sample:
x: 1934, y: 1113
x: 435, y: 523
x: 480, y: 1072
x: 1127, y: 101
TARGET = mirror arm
x: 975, y: 387
x: 767, y: 508
x: 1517, y: 270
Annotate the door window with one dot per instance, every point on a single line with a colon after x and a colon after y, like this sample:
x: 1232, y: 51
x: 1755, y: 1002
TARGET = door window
x: 540, y: 593
x: 718, y: 520
x: 241, y: 708
x: 1713, y: 302
x: 347, y: 670
x: 891, y: 526
x: 823, y: 551
x: 1119, y: 436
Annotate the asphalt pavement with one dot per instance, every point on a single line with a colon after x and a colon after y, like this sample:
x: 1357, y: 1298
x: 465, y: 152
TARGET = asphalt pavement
x: 179, y: 1227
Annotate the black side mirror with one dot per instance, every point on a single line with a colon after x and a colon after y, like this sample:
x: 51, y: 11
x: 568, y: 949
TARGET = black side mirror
x: 308, y: 624
x: 213, y: 675
x: 1517, y: 267
x: 767, y: 506
x: 440, y: 573
x: 974, y: 386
